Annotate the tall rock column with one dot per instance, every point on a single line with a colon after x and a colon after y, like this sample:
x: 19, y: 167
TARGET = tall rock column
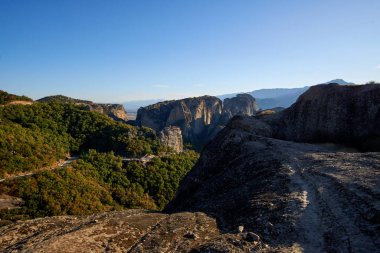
x: 171, y: 136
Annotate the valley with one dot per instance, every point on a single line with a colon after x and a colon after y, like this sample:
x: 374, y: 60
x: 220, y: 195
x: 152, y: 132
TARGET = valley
x: 301, y: 179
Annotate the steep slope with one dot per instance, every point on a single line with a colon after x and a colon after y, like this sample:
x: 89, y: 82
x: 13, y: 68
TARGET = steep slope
x: 305, y: 197
x: 333, y: 113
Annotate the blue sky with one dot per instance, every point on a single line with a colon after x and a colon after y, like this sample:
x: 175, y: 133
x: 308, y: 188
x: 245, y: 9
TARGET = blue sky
x: 115, y: 51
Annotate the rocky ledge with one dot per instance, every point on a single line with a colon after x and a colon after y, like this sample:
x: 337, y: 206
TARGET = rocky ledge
x: 126, y: 231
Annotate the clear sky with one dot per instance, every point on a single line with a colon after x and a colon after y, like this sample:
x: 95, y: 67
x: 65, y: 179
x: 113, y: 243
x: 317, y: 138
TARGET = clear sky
x: 120, y: 50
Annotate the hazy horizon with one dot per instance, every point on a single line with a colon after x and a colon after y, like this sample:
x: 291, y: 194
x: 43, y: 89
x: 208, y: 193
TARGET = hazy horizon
x: 123, y: 51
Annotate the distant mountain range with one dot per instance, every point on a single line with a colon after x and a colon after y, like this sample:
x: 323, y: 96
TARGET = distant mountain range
x: 265, y: 98
x: 279, y: 97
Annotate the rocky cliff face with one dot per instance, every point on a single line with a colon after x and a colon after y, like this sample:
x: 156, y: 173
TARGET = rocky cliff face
x: 172, y: 137
x: 195, y: 116
x: 199, y: 118
x: 242, y: 104
x: 114, y: 111
x: 333, y: 113
x: 348, y: 115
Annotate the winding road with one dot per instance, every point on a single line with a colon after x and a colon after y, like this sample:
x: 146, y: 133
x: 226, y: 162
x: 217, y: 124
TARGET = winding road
x: 61, y: 164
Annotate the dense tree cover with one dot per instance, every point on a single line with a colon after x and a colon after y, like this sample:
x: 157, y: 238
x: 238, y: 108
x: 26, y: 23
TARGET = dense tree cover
x: 161, y: 177
x: 62, y: 99
x: 25, y: 149
x: 98, y: 182
x: 35, y: 135
x: 6, y: 97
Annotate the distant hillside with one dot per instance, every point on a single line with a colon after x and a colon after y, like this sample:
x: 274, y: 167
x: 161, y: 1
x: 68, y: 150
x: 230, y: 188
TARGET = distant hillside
x: 6, y: 98
x: 114, y: 111
x: 280, y: 97
x: 63, y: 99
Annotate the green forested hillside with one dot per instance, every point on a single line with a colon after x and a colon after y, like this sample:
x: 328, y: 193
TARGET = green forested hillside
x: 62, y: 99
x: 37, y: 135
x: 98, y: 182
x: 33, y: 136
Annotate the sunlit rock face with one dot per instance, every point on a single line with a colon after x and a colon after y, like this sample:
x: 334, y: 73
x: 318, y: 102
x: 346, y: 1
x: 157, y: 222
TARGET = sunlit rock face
x: 171, y: 137
x: 200, y: 118
x: 114, y: 111
x: 242, y: 104
x: 196, y: 117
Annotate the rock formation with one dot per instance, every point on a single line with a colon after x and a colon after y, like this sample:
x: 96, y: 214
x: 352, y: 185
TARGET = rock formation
x: 242, y: 104
x: 114, y: 111
x: 171, y: 136
x: 195, y: 116
x: 348, y: 115
x: 309, y: 197
x: 199, y: 118
x: 333, y: 113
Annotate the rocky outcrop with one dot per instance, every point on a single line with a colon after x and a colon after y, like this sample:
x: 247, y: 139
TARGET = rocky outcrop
x: 196, y: 117
x: 126, y: 231
x: 199, y: 118
x: 242, y: 104
x: 171, y: 137
x: 347, y: 114
x: 297, y: 197
x: 114, y: 111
